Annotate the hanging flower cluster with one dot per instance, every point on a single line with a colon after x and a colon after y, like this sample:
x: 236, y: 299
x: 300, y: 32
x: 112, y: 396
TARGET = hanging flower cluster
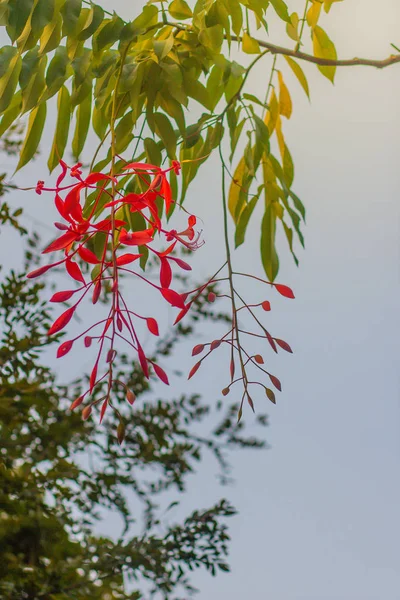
x: 76, y: 244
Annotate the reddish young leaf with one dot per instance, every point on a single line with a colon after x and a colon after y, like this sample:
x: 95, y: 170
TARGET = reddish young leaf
x: 181, y: 263
x: 266, y: 305
x: 275, y: 381
x: 165, y: 273
x: 271, y: 395
x: 284, y: 290
x: 88, y: 256
x: 87, y: 411
x: 96, y: 292
x: 161, y: 374
x: 93, y: 376
x: 62, y: 296
x: 125, y: 259
x: 61, y: 242
x: 194, y: 369
x: 87, y: 341
x: 215, y: 344
x: 130, y: 396
x: 39, y: 271
x: 143, y: 362
x: 62, y: 321
x: 271, y: 341
x: 77, y: 402
x: 64, y: 348
x: 183, y: 312
x: 103, y: 409
x: 197, y: 349
x: 173, y: 298
x: 152, y: 326
x: 74, y: 271
x: 284, y: 345
x: 259, y: 359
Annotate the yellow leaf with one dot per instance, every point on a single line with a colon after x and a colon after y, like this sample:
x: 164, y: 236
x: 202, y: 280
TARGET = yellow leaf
x: 279, y: 135
x: 292, y: 27
x: 285, y: 101
x: 328, y: 4
x: 249, y: 44
x: 235, y: 188
x: 272, y: 114
x: 298, y: 71
x: 324, y: 48
x: 313, y: 14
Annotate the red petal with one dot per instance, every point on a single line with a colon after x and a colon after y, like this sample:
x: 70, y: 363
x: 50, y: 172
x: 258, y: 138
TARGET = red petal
x: 183, y: 265
x: 284, y: 345
x: 166, y: 193
x: 64, y: 348
x: 72, y: 200
x: 152, y: 326
x: 74, y: 271
x: 137, y: 238
x: 161, y: 374
x: 165, y: 273
x: 77, y: 402
x: 143, y: 362
x: 141, y: 166
x: 275, y: 381
x: 39, y: 271
x: 60, y: 207
x: 284, y: 290
x: 88, y: 256
x: 125, y: 259
x: 106, y: 224
x: 62, y: 296
x: 182, y: 313
x: 194, y: 369
x: 62, y: 174
x: 95, y: 177
x: 197, y: 349
x: 192, y: 220
x: 62, y: 321
x: 173, y: 297
x: 61, y: 242
x: 93, y: 376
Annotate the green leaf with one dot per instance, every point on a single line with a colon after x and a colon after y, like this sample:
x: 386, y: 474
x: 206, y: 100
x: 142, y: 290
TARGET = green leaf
x: 62, y: 128
x: 12, y: 112
x: 58, y: 71
x: 148, y: 17
x: 93, y: 21
x: 249, y: 44
x: 196, y: 90
x: 18, y: 15
x: 235, y: 10
x: 269, y: 255
x: 166, y: 133
x: 83, y: 114
x: 281, y: 10
x: 179, y: 9
x: 42, y: 15
x: 244, y: 219
x: 4, y: 12
x: 10, y: 68
x: 36, y: 86
x: 212, y: 37
x: 153, y: 151
x: 324, y: 48
x: 34, y: 131
x: 298, y: 71
x: 70, y: 11
x: 108, y: 34
x: 124, y: 133
x: 51, y: 36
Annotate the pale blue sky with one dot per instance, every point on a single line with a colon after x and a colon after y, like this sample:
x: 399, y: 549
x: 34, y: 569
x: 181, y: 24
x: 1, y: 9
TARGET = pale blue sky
x: 319, y: 512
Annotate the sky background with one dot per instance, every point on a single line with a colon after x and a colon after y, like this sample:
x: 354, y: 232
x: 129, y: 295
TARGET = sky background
x: 319, y: 511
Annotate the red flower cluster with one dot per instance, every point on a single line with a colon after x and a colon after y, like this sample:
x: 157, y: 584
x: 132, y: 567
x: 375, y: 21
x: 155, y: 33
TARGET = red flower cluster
x: 79, y: 232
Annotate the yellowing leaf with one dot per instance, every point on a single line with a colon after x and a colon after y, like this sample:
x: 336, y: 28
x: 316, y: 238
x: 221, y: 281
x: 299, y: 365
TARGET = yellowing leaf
x: 298, y: 71
x: 249, y: 44
x: 33, y: 134
x: 285, y: 101
x: 179, y: 9
x: 313, y: 14
x: 324, y: 48
x: 235, y: 188
x: 279, y: 136
x: 272, y: 114
x: 328, y: 4
x: 292, y: 27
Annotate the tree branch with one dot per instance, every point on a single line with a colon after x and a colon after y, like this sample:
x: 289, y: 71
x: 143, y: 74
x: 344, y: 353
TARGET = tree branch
x: 326, y: 62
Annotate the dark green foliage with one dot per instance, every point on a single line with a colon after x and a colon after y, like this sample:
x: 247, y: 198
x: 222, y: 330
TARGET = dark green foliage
x: 58, y: 474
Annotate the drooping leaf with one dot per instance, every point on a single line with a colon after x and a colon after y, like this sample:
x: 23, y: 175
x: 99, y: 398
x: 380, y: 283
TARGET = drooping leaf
x: 83, y: 114
x: 179, y: 9
x: 285, y: 101
x: 10, y: 68
x: 269, y: 254
x: 298, y: 71
x: 249, y: 44
x: 324, y: 48
x: 281, y: 9
x: 33, y: 134
x: 62, y: 128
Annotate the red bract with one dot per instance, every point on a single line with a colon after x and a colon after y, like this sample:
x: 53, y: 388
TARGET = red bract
x: 64, y: 348
x: 161, y: 374
x: 152, y: 326
x: 74, y: 271
x: 88, y: 256
x: 173, y: 297
x: 62, y: 296
x: 62, y: 321
x: 284, y: 290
